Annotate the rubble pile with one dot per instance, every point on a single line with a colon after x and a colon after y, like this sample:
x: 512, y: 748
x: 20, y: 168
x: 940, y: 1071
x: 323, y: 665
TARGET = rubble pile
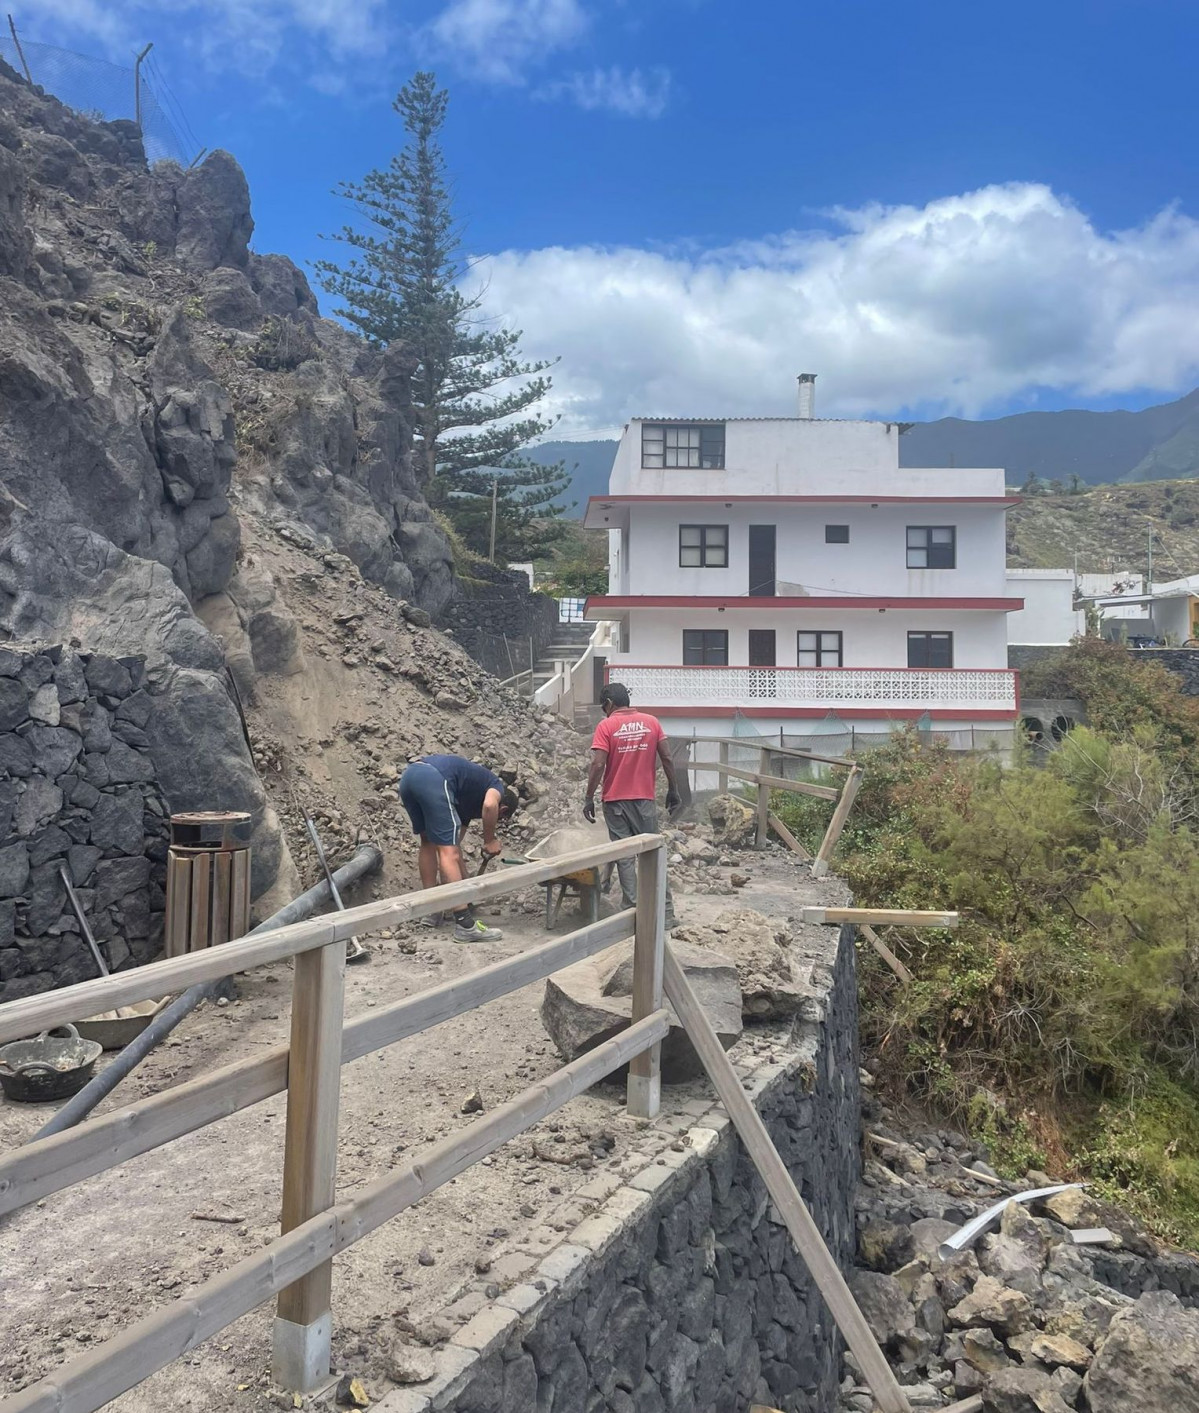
x: 1029, y: 1318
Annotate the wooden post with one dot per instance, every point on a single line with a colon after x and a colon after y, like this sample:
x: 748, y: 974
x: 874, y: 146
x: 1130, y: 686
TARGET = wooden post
x: 764, y: 1156
x: 885, y: 952
x: 645, y: 1071
x: 304, y: 1322
x: 722, y: 780
x: 835, y: 825
x: 760, y: 839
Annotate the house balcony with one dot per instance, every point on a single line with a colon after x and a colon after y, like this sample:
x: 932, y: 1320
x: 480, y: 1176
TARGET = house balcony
x: 904, y: 692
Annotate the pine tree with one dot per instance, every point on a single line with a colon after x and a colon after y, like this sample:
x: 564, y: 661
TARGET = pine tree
x: 472, y: 393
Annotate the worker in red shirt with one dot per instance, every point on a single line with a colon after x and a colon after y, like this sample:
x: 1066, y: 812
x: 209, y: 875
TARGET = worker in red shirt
x: 624, y: 749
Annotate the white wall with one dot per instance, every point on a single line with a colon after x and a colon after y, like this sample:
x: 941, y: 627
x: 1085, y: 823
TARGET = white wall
x: 874, y: 562
x: 1048, y: 616
x: 794, y: 456
x: 871, y: 638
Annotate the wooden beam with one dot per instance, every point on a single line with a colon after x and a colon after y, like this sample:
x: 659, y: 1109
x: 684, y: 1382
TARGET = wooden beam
x: 645, y: 1072
x: 792, y: 751
x: 722, y: 775
x: 787, y: 837
x: 973, y: 1404
x: 778, y: 782
x: 51, y: 1164
x: 879, y: 917
x: 301, y: 1359
x: 885, y: 952
x: 93, y: 1379
x: 765, y: 1157
x: 832, y: 834
x: 32, y: 1014
x: 762, y: 827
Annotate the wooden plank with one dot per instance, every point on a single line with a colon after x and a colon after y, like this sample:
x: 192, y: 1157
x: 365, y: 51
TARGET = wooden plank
x: 645, y: 1072
x: 792, y: 751
x: 879, y: 917
x: 787, y: 837
x: 885, y: 952
x: 222, y: 891
x: 832, y: 834
x: 199, y: 921
x: 51, y: 1164
x: 310, y: 1145
x: 179, y: 873
x: 93, y: 1379
x: 32, y: 1014
x: 239, y: 902
x: 722, y: 775
x: 762, y: 827
x: 973, y: 1404
x: 804, y: 1231
x: 777, y: 782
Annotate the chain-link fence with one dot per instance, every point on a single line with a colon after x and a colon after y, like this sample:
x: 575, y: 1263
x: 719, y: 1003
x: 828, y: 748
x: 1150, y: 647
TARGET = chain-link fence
x: 105, y: 91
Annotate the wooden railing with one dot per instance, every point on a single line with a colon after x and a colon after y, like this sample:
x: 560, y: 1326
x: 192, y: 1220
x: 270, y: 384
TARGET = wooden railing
x: 296, y: 1266
x: 765, y: 780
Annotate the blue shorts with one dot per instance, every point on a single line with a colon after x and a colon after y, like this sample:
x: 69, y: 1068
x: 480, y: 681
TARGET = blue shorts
x: 425, y: 794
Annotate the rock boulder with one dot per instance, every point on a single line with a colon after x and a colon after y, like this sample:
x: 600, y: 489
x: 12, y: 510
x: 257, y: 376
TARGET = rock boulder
x: 592, y: 1001
x: 1147, y: 1362
x: 758, y: 946
x: 733, y: 822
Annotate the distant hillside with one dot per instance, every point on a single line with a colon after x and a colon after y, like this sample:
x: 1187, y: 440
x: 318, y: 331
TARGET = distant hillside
x: 1156, y: 444
x: 1109, y: 528
x: 588, y: 462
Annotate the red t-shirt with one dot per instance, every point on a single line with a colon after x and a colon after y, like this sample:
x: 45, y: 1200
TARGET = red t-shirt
x: 631, y: 739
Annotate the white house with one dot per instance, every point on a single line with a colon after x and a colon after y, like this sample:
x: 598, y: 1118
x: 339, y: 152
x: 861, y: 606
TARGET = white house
x: 787, y: 569
x: 1049, y: 617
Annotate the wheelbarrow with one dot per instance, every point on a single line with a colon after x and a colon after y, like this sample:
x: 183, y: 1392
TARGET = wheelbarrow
x: 54, y: 1065
x: 586, y: 884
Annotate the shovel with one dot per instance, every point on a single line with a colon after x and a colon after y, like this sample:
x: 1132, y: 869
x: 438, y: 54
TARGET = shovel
x: 355, y: 951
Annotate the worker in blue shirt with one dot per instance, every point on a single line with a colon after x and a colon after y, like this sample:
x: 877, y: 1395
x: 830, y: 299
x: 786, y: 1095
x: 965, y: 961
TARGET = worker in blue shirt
x: 442, y: 795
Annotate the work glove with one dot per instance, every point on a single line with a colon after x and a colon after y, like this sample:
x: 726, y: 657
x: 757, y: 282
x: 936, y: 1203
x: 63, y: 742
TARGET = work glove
x: 673, y: 801
x: 589, y: 809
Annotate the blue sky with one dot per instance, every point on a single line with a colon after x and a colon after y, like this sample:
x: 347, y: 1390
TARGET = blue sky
x: 938, y: 207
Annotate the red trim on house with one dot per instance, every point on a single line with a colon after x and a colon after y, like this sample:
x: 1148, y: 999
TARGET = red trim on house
x: 600, y: 602
x: 786, y: 667
x: 846, y: 713
x: 598, y: 501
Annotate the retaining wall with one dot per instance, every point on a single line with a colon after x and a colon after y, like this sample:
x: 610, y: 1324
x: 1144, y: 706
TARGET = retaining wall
x: 679, y: 1291
x: 77, y: 788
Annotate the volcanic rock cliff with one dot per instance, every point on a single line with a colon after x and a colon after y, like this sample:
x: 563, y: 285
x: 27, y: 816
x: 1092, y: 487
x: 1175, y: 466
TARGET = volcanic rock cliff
x: 164, y: 390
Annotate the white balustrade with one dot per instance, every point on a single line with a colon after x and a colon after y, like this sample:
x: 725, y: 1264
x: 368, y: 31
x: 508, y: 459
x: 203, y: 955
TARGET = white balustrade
x: 886, y: 688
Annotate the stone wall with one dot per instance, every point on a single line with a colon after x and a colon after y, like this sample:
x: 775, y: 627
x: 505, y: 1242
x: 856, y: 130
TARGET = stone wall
x: 77, y: 788
x: 502, y: 607
x: 681, y: 1292
x: 1182, y: 662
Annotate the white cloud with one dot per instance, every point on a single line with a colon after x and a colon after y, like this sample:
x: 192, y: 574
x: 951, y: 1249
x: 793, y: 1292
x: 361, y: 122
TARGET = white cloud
x: 632, y: 93
x: 498, y: 39
x: 961, y: 306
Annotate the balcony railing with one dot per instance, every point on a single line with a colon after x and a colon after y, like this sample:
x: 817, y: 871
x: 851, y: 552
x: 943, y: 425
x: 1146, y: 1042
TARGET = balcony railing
x: 885, y: 689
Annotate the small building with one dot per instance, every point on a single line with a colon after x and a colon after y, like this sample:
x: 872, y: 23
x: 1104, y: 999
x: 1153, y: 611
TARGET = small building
x: 789, y: 571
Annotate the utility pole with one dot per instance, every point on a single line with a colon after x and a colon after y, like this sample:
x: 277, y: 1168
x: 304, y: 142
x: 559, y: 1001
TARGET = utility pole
x: 495, y: 490
x: 1149, y: 573
x: 137, y: 86
x: 12, y: 25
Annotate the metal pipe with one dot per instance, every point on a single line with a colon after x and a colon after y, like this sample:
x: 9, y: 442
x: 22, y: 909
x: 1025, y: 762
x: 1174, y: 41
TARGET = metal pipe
x: 366, y: 860
x: 965, y: 1236
x: 137, y: 86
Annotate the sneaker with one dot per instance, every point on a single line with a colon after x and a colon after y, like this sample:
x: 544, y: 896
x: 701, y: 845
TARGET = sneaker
x: 476, y: 932
x: 433, y: 920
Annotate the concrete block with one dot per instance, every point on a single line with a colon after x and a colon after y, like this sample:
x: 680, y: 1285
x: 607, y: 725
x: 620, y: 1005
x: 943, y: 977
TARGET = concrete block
x: 489, y: 1328
x: 565, y: 1263
x: 523, y: 1298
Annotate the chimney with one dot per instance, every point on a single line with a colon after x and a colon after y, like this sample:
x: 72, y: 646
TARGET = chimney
x: 807, y: 396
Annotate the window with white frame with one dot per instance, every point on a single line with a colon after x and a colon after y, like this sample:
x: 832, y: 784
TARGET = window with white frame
x: 932, y: 547
x: 819, y: 649
x: 699, y: 445
x: 703, y: 546
x: 930, y: 649
x: 705, y: 647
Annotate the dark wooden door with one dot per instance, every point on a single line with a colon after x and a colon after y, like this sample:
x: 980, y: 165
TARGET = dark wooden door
x: 761, y: 647
x: 761, y: 561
